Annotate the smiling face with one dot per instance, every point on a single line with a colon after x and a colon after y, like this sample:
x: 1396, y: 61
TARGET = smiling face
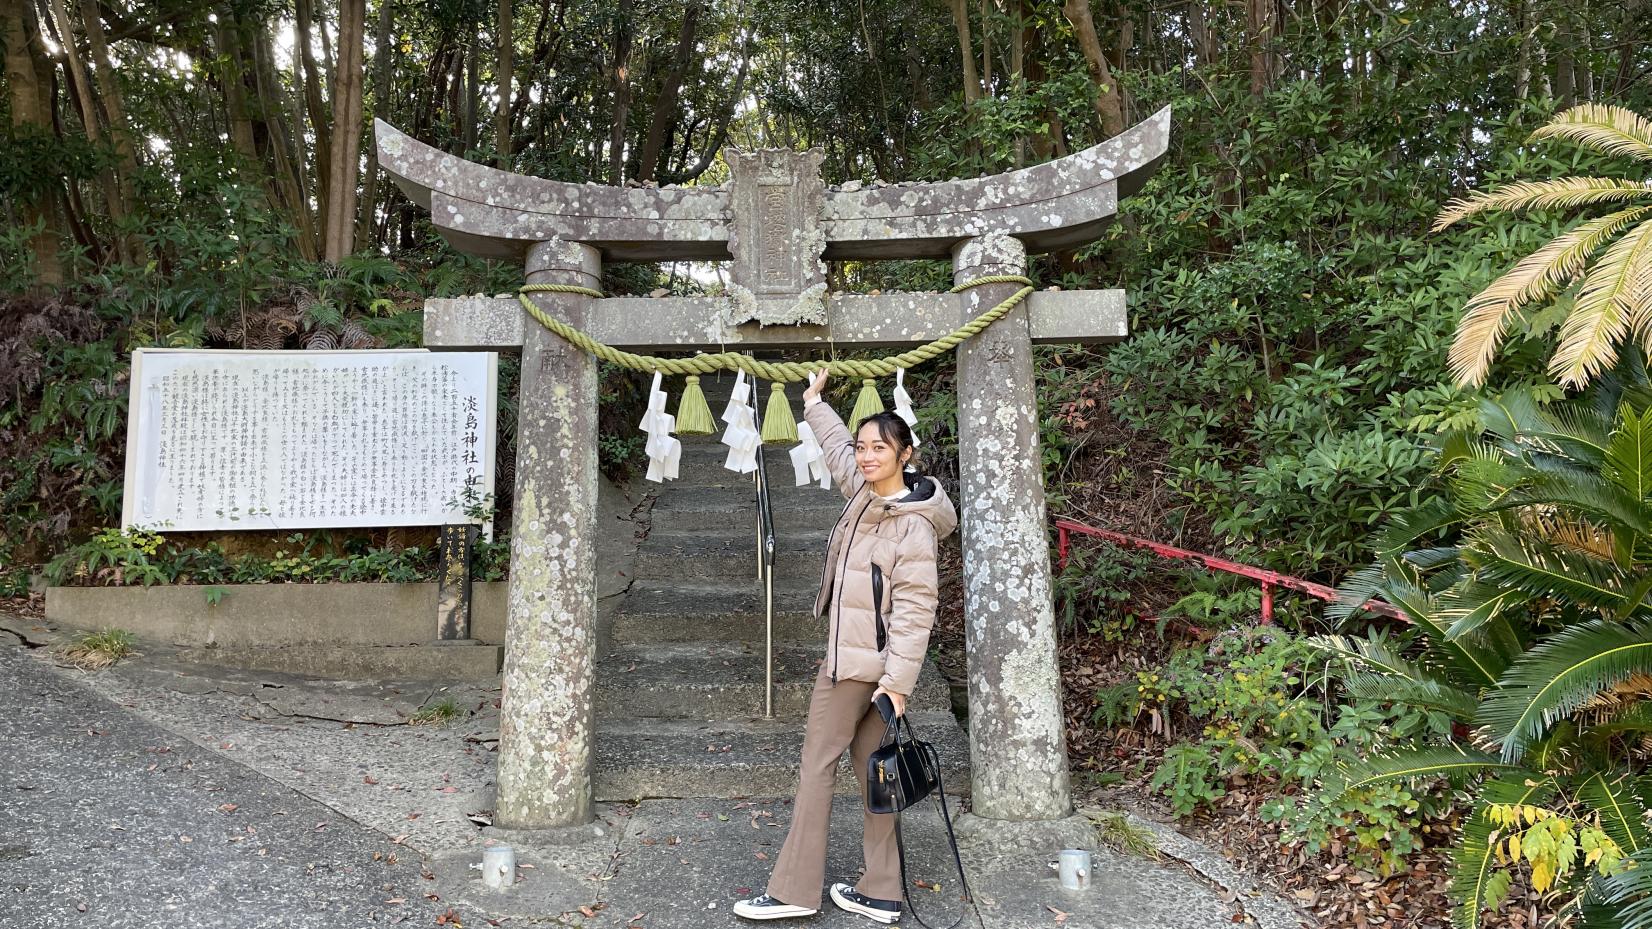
x: 879, y: 457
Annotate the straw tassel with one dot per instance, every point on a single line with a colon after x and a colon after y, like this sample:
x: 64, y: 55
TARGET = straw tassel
x: 867, y: 404
x: 693, y: 415
x: 778, y: 424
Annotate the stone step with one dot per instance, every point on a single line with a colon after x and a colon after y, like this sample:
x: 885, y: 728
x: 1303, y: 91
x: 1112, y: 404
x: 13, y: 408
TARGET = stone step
x: 432, y: 662
x: 725, y: 556
x: 673, y: 612
x: 723, y: 680
x: 698, y: 508
x: 637, y: 759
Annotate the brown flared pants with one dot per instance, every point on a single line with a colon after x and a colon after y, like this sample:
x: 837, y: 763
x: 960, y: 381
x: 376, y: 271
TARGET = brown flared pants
x: 841, y: 716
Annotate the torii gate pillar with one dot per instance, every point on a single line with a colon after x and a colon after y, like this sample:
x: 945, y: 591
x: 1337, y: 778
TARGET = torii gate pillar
x: 545, y: 707
x: 1017, y: 735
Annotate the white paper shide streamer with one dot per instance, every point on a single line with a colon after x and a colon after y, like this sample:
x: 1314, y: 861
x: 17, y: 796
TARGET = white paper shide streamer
x: 903, y: 404
x: 741, y: 437
x: 665, y: 451
x: 809, y: 459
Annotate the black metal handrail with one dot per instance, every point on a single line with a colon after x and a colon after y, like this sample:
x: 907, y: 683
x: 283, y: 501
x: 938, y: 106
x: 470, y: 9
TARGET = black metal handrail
x: 765, y: 559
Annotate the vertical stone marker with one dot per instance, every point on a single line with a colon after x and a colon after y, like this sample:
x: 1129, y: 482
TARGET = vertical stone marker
x: 1017, y: 733
x: 778, y: 223
x: 545, y: 710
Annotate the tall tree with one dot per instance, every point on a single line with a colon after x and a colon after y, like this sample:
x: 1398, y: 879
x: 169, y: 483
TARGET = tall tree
x: 1108, y: 101
x: 665, y: 104
x: 347, y: 89
x: 31, y: 115
x: 620, y: 83
x: 504, y: 39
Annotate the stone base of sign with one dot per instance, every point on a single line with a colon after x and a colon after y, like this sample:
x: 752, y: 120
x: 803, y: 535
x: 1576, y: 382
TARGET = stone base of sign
x: 274, y: 615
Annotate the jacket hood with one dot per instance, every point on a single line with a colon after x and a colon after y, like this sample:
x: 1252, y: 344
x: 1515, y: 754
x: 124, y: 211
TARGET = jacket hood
x: 925, y: 497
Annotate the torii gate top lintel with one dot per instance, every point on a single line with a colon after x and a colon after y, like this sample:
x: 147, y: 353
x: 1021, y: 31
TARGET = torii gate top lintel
x: 493, y: 213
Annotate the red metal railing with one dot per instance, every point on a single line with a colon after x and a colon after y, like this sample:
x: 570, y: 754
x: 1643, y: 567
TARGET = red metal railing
x: 1065, y: 528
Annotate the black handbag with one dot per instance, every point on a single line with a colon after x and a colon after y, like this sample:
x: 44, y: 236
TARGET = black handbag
x: 900, y: 774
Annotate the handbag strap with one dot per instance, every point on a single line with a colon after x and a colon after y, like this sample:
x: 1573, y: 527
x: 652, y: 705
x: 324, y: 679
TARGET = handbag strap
x: 946, y: 817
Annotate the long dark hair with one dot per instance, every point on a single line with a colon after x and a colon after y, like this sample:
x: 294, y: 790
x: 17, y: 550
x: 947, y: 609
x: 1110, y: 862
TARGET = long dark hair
x: 894, y: 430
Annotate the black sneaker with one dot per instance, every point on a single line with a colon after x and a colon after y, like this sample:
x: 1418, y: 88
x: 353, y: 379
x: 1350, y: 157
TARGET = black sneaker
x: 767, y: 907
x: 848, y: 898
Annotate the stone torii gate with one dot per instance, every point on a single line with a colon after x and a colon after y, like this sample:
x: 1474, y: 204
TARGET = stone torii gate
x: 779, y: 224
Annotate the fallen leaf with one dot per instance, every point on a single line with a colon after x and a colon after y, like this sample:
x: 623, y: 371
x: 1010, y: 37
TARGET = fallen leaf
x: 587, y: 911
x: 227, y: 808
x: 369, y: 779
x: 395, y: 901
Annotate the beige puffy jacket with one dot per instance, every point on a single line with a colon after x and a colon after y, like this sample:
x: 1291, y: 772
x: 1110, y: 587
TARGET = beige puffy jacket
x: 887, y: 547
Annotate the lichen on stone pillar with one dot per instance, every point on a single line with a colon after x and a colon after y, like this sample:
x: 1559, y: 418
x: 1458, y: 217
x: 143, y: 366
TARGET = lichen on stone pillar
x: 1018, y: 747
x: 545, y: 727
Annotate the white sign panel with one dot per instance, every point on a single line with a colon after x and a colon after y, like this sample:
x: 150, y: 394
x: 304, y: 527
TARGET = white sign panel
x: 307, y: 439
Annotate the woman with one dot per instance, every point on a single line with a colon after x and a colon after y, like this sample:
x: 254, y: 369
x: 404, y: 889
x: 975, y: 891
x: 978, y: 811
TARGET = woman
x: 878, y: 592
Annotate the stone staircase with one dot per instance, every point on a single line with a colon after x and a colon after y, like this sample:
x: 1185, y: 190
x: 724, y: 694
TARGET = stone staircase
x: 680, y: 688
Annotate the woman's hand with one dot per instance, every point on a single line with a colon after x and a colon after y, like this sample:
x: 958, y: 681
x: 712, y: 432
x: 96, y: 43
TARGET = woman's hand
x: 898, y: 699
x: 815, y: 386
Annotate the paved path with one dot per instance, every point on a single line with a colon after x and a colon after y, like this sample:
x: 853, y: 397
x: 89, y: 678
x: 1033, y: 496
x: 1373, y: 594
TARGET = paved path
x: 107, y: 820
x: 284, y: 805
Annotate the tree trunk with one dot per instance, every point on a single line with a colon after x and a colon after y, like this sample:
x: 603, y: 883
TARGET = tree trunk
x: 382, y: 52
x: 29, y: 114
x: 1259, y: 34
x: 347, y: 81
x: 716, y: 137
x: 966, y: 51
x: 313, y: 103
x: 1109, y: 107
x: 90, y: 117
x: 505, y: 44
x: 114, y: 107
x: 983, y: 9
x: 620, y: 83
x: 288, y: 168
x: 1018, y: 75
x: 665, y: 105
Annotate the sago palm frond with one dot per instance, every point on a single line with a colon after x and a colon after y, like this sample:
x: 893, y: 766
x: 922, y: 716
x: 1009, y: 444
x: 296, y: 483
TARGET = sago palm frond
x: 1552, y: 680
x: 1559, y: 193
x: 1408, y: 766
x: 1635, y: 718
x: 1614, y: 301
x: 1474, y: 659
x: 1405, y: 528
x: 1578, y: 534
x: 1629, y: 454
x: 1622, y: 900
x: 1423, y: 694
x: 1470, y: 606
x: 1538, y: 276
x: 1472, y: 877
x: 1622, y: 815
x: 1585, y: 496
x: 1543, y: 570
x: 1367, y: 654
x: 1610, y: 130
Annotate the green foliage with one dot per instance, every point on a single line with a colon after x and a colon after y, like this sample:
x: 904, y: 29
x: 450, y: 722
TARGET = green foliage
x: 1527, y: 583
x: 116, y: 558
x: 1258, y: 718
